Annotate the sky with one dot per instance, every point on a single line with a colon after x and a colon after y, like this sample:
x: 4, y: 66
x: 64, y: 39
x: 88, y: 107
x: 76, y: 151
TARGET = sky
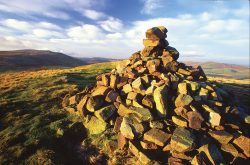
x: 201, y: 30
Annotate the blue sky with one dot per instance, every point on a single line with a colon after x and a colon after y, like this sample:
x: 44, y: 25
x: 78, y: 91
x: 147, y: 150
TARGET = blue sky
x: 202, y: 30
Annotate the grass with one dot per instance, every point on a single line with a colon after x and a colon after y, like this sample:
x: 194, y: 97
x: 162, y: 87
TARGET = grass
x: 34, y: 129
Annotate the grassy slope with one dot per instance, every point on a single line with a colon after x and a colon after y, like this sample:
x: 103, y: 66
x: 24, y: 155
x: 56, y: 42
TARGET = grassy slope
x: 32, y: 123
x: 31, y: 118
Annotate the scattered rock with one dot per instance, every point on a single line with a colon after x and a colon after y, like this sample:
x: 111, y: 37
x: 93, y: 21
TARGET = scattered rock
x: 156, y: 136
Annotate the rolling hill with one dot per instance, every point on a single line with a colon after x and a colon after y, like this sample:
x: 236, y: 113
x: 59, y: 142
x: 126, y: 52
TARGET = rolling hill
x: 27, y: 59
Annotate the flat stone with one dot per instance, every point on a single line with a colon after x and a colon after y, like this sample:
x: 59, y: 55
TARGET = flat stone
x: 144, y: 159
x: 229, y: 148
x: 122, y: 81
x: 182, y: 140
x: 183, y: 100
x: 112, y: 96
x: 214, y: 118
x: 148, y: 101
x: 182, y: 88
x: 166, y: 59
x: 156, y: 124
x: 221, y: 136
x: 149, y: 42
x: 175, y: 161
x: 160, y: 98
x: 127, y: 88
x: 147, y: 51
x: 156, y: 136
x: 212, y: 153
x: 95, y: 125
x: 173, y: 52
x: 194, y: 86
x: 105, y: 113
x: 167, y: 148
x: 105, y: 79
x: 113, y: 81
x: 184, y: 72
x: 181, y: 111
x: 94, y: 103
x: 150, y: 90
x: 143, y: 113
x: 121, y: 140
x: 81, y: 107
x: 243, y: 143
x: 133, y: 96
x: 151, y: 66
x: 156, y: 33
x: 131, y: 127
x: 100, y: 91
x: 136, y: 104
x: 117, y: 125
x: 179, y: 121
x: 194, y: 120
x: 137, y: 84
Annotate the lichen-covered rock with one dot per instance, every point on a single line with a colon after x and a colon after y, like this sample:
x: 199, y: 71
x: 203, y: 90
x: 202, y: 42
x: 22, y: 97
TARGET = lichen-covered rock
x: 156, y: 136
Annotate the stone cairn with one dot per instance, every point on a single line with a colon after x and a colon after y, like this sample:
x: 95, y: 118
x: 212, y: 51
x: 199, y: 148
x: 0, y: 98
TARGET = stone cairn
x: 164, y: 111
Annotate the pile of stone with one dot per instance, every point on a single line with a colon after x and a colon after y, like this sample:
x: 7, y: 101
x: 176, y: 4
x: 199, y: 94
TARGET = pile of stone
x: 164, y: 111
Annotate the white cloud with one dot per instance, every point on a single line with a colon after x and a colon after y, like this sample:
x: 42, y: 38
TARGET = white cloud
x: 16, y: 24
x: 92, y: 14
x: 85, y: 32
x: 149, y: 6
x: 111, y: 24
x: 43, y: 33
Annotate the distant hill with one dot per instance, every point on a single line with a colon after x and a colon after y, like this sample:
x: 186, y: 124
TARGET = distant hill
x: 93, y: 60
x: 27, y: 59
x: 223, y: 70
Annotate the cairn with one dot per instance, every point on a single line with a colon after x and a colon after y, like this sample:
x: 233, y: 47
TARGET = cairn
x: 164, y: 111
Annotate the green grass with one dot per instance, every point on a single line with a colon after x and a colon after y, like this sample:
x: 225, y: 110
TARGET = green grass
x: 32, y: 122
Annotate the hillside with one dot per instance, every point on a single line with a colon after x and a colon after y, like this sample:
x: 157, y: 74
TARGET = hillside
x: 33, y: 126
x: 27, y: 59
x: 93, y: 60
x: 223, y: 70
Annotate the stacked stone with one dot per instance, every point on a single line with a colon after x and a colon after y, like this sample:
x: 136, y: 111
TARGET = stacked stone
x: 163, y: 110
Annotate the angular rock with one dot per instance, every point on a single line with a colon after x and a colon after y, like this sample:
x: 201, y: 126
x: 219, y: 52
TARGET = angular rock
x: 179, y: 121
x: 105, y: 113
x: 112, y: 96
x: 243, y: 143
x: 214, y: 118
x: 194, y: 120
x: 156, y: 33
x: 184, y: 72
x: 221, y: 136
x: 182, y: 140
x: 121, y: 140
x: 131, y: 127
x: 148, y: 101
x: 229, y: 148
x: 137, y: 84
x: 95, y: 125
x: 181, y: 111
x: 160, y: 98
x: 133, y: 96
x: 144, y: 159
x: 105, y: 79
x: 117, y: 125
x: 127, y: 88
x: 81, y: 107
x: 212, y: 153
x: 156, y: 124
x: 183, y: 100
x: 100, y: 91
x: 156, y: 136
x: 113, y: 81
x: 182, y: 88
x: 149, y: 42
x: 94, y: 103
